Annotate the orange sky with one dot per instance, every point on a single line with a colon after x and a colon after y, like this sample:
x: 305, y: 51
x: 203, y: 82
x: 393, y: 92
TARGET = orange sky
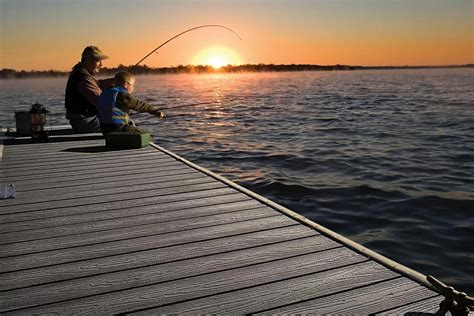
x: 51, y: 34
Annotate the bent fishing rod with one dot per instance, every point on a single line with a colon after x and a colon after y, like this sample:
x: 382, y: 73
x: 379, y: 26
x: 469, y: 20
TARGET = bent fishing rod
x: 178, y: 35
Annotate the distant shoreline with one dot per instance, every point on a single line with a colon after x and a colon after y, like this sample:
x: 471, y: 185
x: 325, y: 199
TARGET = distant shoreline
x: 203, y: 69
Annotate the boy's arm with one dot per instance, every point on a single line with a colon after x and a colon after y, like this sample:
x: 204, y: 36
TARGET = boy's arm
x: 127, y: 102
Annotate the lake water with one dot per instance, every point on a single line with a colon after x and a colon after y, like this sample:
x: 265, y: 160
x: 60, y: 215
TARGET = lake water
x: 385, y: 157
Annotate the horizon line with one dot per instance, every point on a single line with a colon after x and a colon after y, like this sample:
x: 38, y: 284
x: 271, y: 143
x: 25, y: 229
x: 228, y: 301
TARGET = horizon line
x: 230, y: 67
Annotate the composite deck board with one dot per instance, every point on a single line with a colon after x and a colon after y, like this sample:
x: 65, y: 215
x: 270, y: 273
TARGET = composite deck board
x: 360, y: 301
x: 200, y: 285
x: 118, y: 181
x: 64, y: 165
x: 290, y: 236
x: 127, y: 233
x: 72, y: 168
x: 100, y: 231
x: 92, y: 173
x: 56, y: 168
x: 52, y: 157
x: 59, y: 181
x: 122, y: 189
x: 60, y: 256
x: 267, y: 293
x: 18, y: 222
x: 131, y: 190
x: 185, y: 196
x: 56, y: 159
x: 65, y: 154
x: 17, y: 146
x: 107, y: 220
x: 58, y: 162
x: 12, y: 206
x: 70, y: 147
x: 421, y: 307
x: 169, y: 272
x: 108, y: 231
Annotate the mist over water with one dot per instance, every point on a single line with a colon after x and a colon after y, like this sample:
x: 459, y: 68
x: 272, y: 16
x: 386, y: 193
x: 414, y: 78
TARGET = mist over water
x: 385, y: 158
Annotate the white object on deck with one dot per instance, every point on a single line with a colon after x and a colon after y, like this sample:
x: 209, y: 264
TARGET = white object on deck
x: 7, y: 191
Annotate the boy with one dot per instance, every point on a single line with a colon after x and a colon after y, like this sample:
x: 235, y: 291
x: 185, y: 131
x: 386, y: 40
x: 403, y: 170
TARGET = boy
x: 115, y: 104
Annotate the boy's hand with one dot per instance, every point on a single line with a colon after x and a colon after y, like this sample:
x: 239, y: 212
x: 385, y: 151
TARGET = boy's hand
x: 158, y: 113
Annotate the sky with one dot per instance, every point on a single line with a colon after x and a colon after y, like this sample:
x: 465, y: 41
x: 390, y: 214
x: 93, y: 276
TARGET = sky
x: 51, y: 34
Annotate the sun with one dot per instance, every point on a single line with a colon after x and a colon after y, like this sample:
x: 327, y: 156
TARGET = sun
x: 217, y: 61
x: 217, y: 56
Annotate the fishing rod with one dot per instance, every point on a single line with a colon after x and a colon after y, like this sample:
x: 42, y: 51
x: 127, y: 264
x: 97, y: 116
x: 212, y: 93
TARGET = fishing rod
x: 179, y: 106
x: 178, y: 35
x: 186, y: 105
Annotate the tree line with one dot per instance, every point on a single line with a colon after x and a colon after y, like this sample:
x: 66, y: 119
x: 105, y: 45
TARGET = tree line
x: 200, y: 69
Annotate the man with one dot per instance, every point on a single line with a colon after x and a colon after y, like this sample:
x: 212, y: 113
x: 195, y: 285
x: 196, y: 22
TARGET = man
x: 116, y: 103
x: 83, y: 91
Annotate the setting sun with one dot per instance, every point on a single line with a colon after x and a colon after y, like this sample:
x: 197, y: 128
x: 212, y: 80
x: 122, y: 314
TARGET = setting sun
x: 216, y: 61
x: 217, y: 56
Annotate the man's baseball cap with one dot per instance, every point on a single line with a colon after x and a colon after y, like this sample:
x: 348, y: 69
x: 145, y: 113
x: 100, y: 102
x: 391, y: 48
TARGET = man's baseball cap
x: 93, y: 51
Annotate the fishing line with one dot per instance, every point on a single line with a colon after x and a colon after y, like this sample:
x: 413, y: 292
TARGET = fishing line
x: 191, y: 29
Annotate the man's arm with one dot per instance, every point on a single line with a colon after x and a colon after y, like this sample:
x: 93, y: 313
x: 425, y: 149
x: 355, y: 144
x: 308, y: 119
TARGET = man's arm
x: 89, y: 88
x: 106, y: 83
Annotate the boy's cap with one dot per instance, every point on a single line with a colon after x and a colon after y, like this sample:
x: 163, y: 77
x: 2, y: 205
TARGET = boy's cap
x: 93, y: 51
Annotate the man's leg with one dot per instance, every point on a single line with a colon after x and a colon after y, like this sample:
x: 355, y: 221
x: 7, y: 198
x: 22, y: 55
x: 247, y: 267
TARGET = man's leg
x: 82, y: 124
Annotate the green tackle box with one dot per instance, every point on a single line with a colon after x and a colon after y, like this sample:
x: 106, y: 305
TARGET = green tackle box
x: 127, y: 140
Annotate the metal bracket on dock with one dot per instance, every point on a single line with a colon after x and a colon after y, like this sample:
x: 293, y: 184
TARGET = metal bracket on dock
x: 7, y: 191
x: 458, y: 303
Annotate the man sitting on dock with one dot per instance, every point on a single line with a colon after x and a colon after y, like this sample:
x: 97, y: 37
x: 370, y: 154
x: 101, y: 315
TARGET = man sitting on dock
x: 83, y: 91
x: 115, y: 104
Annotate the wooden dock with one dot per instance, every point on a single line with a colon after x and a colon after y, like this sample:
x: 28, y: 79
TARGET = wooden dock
x: 99, y: 231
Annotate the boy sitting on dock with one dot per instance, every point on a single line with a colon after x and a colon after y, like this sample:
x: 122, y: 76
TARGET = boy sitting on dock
x: 115, y: 104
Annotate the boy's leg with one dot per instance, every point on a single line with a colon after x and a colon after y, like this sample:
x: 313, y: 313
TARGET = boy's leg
x: 132, y: 129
